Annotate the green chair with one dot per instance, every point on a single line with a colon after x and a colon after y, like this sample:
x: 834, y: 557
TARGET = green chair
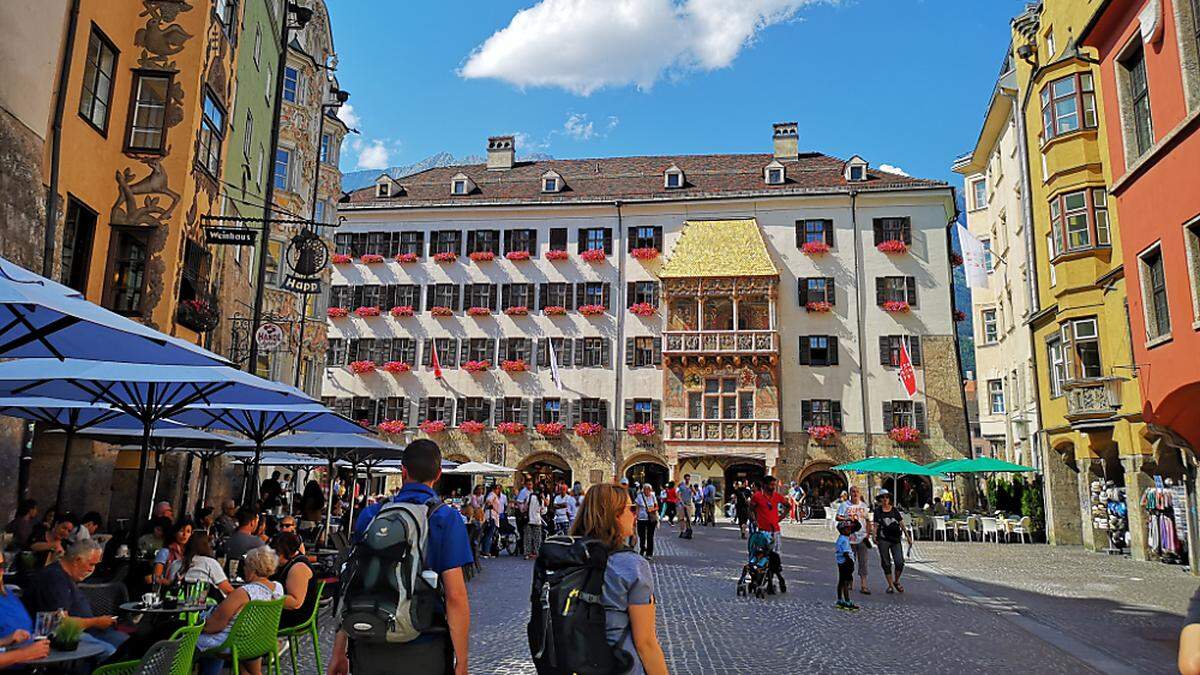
x: 253, y: 635
x: 165, y: 657
x: 309, y: 627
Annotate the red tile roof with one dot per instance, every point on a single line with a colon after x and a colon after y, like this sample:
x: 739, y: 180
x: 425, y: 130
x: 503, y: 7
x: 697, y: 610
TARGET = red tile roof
x: 631, y: 179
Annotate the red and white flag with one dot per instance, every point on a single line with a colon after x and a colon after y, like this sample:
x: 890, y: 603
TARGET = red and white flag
x: 435, y: 362
x: 908, y: 376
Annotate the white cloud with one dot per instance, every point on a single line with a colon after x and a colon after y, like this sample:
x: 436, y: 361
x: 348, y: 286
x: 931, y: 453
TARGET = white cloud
x: 892, y: 169
x: 526, y: 143
x: 585, y: 45
x: 613, y: 121
x: 373, y: 155
x: 578, y: 127
x: 347, y: 115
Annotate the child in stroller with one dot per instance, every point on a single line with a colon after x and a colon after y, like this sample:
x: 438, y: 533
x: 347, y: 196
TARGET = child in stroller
x: 763, y: 566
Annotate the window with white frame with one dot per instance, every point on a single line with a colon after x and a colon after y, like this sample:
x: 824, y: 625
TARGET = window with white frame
x: 550, y: 184
x: 212, y: 132
x: 673, y: 178
x: 989, y: 262
x: 283, y: 161
x: 996, y: 396
x: 1063, y: 100
x: 551, y: 410
x: 979, y: 198
x: 991, y: 327
x: 459, y: 186
x: 1058, y: 366
x: 291, y: 84
x: 1081, y: 348
x: 1154, y: 293
x: 383, y: 189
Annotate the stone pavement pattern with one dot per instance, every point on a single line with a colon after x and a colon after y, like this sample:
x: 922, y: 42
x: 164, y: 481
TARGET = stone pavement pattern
x: 1131, y: 611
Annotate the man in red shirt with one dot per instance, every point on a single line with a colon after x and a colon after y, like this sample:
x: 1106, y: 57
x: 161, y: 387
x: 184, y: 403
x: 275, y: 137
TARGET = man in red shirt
x: 765, y: 507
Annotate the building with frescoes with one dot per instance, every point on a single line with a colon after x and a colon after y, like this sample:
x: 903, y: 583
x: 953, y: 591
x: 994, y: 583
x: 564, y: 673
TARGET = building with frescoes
x: 717, y: 315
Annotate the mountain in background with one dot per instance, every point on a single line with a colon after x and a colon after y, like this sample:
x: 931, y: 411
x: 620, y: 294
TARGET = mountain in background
x: 354, y: 180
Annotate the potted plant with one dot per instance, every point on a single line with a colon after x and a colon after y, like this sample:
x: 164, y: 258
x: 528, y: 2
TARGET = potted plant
x: 555, y: 254
x: 66, y: 637
x: 514, y: 366
x: 478, y: 311
x: 896, y: 306
x: 593, y: 255
x: 823, y: 434
x: 432, y: 426
x: 365, y: 312
x: 406, y: 257
x: 445, y: 257
x: 550, y: 429
x: 592, y: 310
x: 337, y: 312
x: 477, y: 366
x: 441, y: 311
x: 587, y: 429
x: 401, y: 311
x: 370, y: 258
x: 362, y: 367
x: 818, y: 306
x: 905, y: 435
x: 471, y: 427
x: 397, y: 367
x: 341, y: 258
x: 814, y: 248
x: 643, y: 309
x: 482, y: 256
x: 639, y: 429
x: 518, y: 310
x: 391, y: 427
x: 554, y: 310
x: 517, y: 255
x: 892, y: 246
x: 644, y: 253
x: 510, y: 428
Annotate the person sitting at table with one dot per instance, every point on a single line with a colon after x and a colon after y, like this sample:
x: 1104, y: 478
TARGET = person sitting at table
x: 298, y: 579
x: 226, y: 524
x: 204, y: 519
x: 257, y: 567
x: 56, y: 588
x: 21, y: 527
x: 167, y: 558
x: 89, y: 525
x: 243, y: 538
x: 288, y: 524
x: 16, y: 628
x: 149, y: 543
x: 50, y: 546
x: 312, y: 503
x: 199, y: 565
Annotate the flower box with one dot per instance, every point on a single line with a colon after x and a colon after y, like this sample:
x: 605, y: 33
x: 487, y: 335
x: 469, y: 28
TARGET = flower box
x: 441, y: 311
x: 483, y: 256
x: 341, y: 258
x: 391, y: 427
x: 370, y: 258
x: 362, y: 367
x: 446, y: 257
x: 514, y: 366
x: 517, y: 255
x: 557, y: 255
x: 592, y: 310
x: 364, y: 312
x: 643, y: 309
x: 471, y: 427
x: 366, y: 424
x: 895, y: 306
x: 478, y: 311
x: 823, y: 434
x: 550, y: 429
x: 477, y: 366
x: 510, y: 428
x: 646, y: 253
x: 587, y: 429
x: 905, y: 435
x: 554, y: 310
x: 593, y: 255
x: 818, y: 306
x: 814, y: 248
x: 956, y: 260
x: 406, y: 257
x: 337, y: 312
x: 397, y: 367
x: 960, y: 315
x: 519, y: 310
x: 432, y: 426
x: 402, y: 310
x: 893, y: 246
x: 640, y: 429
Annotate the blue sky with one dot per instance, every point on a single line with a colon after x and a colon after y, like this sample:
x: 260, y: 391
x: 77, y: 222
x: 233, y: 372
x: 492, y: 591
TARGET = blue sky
x: 900, y: 82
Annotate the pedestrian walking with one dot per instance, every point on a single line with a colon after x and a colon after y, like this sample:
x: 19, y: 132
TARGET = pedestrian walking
x: 888, y: 526
x: 685, y: 507
x: 564, y: 509
x: 856, y: 509
x: 647, y: 520
x: 844, y: 556
x: 671, y: 501
x: 533, y: 530
x: 765, y: 505
x: 491, y: 520
x: 608, y: 515
x: 710, y: 503
x: 741, y: 506
x: 698, y: 503
x: 522, y: 515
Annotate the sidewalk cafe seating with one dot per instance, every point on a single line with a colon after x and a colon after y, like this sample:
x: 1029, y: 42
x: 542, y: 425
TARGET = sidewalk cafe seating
x: 1024, y: 530
x: 165, y: 657
x: 309, y: 628
x: 253, y: 635
x: 991, y: 527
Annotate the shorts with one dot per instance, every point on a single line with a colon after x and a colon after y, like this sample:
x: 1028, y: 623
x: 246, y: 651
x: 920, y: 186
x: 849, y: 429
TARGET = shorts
x: 846, y: 572
x: 427, y: 657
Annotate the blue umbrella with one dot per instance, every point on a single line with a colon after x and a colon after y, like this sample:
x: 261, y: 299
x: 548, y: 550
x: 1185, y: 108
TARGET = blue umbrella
x: 147, y: 392
x: 260, y: 423
x: 41, y: 318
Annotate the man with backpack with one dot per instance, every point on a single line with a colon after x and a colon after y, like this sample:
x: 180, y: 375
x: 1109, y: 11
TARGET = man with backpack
x: 415, y: 540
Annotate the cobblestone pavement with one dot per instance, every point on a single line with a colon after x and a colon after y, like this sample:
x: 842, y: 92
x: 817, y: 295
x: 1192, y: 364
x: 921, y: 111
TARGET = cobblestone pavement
x: 969, y: 607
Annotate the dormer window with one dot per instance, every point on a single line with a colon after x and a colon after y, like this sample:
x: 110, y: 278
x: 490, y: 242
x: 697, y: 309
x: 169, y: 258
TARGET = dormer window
x: 551, y: 182
x: 460, y: 184
x: 383, y: 190
x: 673, y: 178
x: 855, y: 169
x: 774, y: 174
x: 460, y: 187
x: 856, y: 172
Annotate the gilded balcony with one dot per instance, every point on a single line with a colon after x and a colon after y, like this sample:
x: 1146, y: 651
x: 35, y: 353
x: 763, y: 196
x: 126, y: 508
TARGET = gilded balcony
x: 692, y: 430
x: 737, y: 342
x: 1093, y: 401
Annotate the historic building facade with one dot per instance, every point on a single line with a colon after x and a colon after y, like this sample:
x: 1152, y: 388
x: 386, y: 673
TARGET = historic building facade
x: 718, y: 315
x: 1149, y: 74
x: 994, y: 180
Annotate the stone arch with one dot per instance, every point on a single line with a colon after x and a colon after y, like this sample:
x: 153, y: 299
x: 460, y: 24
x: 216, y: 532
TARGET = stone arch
x: 547, y: 457
x: 457, y: 457
x: 813, y: 467
x: 548, y: 465
x: 644, y: 458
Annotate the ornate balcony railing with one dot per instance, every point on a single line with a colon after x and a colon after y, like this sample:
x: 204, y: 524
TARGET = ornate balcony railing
x: 721, y: 342
x: 722, y: 431
x: 1093, y: 399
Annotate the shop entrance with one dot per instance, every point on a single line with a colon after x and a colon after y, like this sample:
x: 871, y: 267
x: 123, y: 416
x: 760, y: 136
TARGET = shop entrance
x: 648, y: 472
x: 548, y: 471
x: 742, y: 472
x: 822, y: 488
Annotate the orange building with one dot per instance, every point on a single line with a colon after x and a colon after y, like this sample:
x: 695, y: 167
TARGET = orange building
x: 1150, y: 86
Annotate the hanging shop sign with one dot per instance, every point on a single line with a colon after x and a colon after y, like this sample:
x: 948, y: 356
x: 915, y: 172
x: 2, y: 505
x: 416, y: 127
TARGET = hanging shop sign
x: 307, y: 257
x: 269, y: 336
x: 230, y: 236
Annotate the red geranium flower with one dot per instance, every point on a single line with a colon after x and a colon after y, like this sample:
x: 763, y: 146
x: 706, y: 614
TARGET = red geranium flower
x: 586, y: 429
x: 519, y: 310
x: 432, y: 426
x: 592, y: 310
x: 818, y: 306
x: 406, y: 257
x: 391, y: 427
x: 341, y: 258
x: 593, y: 255
x: 478, y: 311
x: 896, y: 306
x: 369, y: 258
x: 337, y: 312
x: 362, y: 367
x: 893, y: 246
x: 402, y: 310
x: 814, y: 248
x: 397, y: 367
x: 646, y: 253
x: 550, y: 429
x: 510, y: 428
x: 441, y: 311
x: 554, y: 310
x: 471, y: 427
x: 483, y: 256
x: 365, y: 312
x: 643, y: 309
x: 557, y: 255
x: 517, y: 255
x: 514, y: 366
x: 445, y: 257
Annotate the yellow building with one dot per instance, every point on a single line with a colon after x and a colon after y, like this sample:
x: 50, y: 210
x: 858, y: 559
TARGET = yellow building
x: 1087, y: 388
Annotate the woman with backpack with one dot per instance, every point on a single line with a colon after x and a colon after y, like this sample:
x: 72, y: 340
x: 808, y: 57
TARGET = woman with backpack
x: 610, y: 516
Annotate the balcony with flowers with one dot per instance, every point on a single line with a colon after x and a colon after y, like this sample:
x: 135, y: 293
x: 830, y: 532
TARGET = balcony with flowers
x: 341, y: 258
x: 905, y: 435
x: 517, y: 256
x: 550, y: 429
x: 337, y: 312
x: 391, y: 427
x: 518, y: 310
x: 472, y: 427
x: 198, y: 312
x: 401, y: 311
x: 892, y: 246
x: 366, y: 312
x: 440, y: 311
x: 397, y: 367
x: 514, y: 365
x: 814, y: 248
x: 511, y: 428
x: 477, y: 366
x: 641, y: 429
x: 818, y: 307
x: 432, y: 426
x: 588, y: 429
x: 370, y: 258
x: 482, y: 256
x: 407, y: 257
x: 645, y: 253
x: 554, y: 310
x: 593, y: 255
x: 479, y: 311
x: 823, y: 434
x: 896, y: 306
x: 556, y: 255
x: 445, y: 257
x: 643, y: 309
x: 592, y: 310
x: 362, y: 367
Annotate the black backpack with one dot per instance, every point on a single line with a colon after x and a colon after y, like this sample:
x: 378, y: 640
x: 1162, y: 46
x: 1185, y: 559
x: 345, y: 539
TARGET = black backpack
x: 566, y: 625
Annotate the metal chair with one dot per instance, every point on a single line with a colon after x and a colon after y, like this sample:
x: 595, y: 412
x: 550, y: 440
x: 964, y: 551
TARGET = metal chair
x: 309, y: 628
x: 253, y: 635
x: 105, y: 598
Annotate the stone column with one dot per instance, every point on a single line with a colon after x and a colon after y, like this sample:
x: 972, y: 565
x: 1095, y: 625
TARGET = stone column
x: 1061, y: 491
x: 1136, y: 484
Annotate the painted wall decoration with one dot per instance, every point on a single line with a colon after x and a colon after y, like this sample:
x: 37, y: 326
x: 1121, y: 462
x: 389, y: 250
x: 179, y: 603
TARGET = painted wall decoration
x: 148, y: 201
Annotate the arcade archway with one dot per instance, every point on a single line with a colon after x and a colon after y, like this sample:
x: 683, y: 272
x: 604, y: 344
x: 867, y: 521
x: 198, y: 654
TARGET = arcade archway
x: 546, y: 468
x: 651, y: 472
x: 822, y: 484
x: 748, y: 472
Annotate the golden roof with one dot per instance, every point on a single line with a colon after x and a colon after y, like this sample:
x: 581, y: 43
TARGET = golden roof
x: 719, y: 248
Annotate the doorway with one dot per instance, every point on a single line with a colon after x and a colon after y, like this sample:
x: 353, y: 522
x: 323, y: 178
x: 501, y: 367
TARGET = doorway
x: 648, y: 472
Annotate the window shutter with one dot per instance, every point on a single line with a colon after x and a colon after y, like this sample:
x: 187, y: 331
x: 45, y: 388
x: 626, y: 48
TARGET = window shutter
x: 878, y: 227
x: 833, y: 351
x: 495, y: 247
x: 658, y: 351
x: 498, y: 411
x: 570, y: 293
x: 504, y: 347
x: 830, y: 291
x: 406, y: 411
x: 415, y: 294
x: 576, y: 411
x: 533, y: 242
x: 543, y: 295
x: 806, y: 414
x: 919, y: 416
x: 452, y: 349
x: 581, y: 243
x: 508, y: 237
x: 887, y: 415
x: 654, y: 293
x: 457, y: 238
x: 914, y: 350
x: 460, y: 411
x: 658, y: 231
x: 580, y: 294
x: 606, y: 295
x: 420, y: 243
x: 492, y: 297
x: 471, y: 236
x: 885, y: 350
x: 802, y: 291
x: 907, y: 230
x: 566, y: 355
x: 578, y: 350
x: 630, y: 289
x: 422, y: 410
x: 543, y: 357
x: 606, y: 353
x: 506, y: 295
x: 429, y: 295
x: 539, y: 405
x: 829, y: 233
x: 835, y: 411
x: 628, y: 411
x: 910, y: 287
x: 608, y: 241
x: 464, y: 350
x: 629, y: 352
x: 457, y: 298
x: 656, y: 411
x: 799, y: 234
x: 604, y: 414
x: 804, y: 357
x: 879, y: 286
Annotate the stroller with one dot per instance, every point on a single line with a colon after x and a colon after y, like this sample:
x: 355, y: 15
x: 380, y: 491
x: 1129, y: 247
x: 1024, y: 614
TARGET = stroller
x: 761, y: 569
x: 506, y: 537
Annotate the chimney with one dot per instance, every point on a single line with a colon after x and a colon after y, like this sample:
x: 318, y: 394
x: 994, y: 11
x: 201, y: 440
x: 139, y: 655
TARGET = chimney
x: 500, y: 153
x: 787, y: 142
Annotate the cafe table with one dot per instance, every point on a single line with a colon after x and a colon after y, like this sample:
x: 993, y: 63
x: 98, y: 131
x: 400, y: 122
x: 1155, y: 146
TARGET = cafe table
x: 57, y: 658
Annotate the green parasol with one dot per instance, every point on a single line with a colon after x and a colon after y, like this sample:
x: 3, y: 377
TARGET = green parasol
x: 978, y: 465
x: 892, y: 465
